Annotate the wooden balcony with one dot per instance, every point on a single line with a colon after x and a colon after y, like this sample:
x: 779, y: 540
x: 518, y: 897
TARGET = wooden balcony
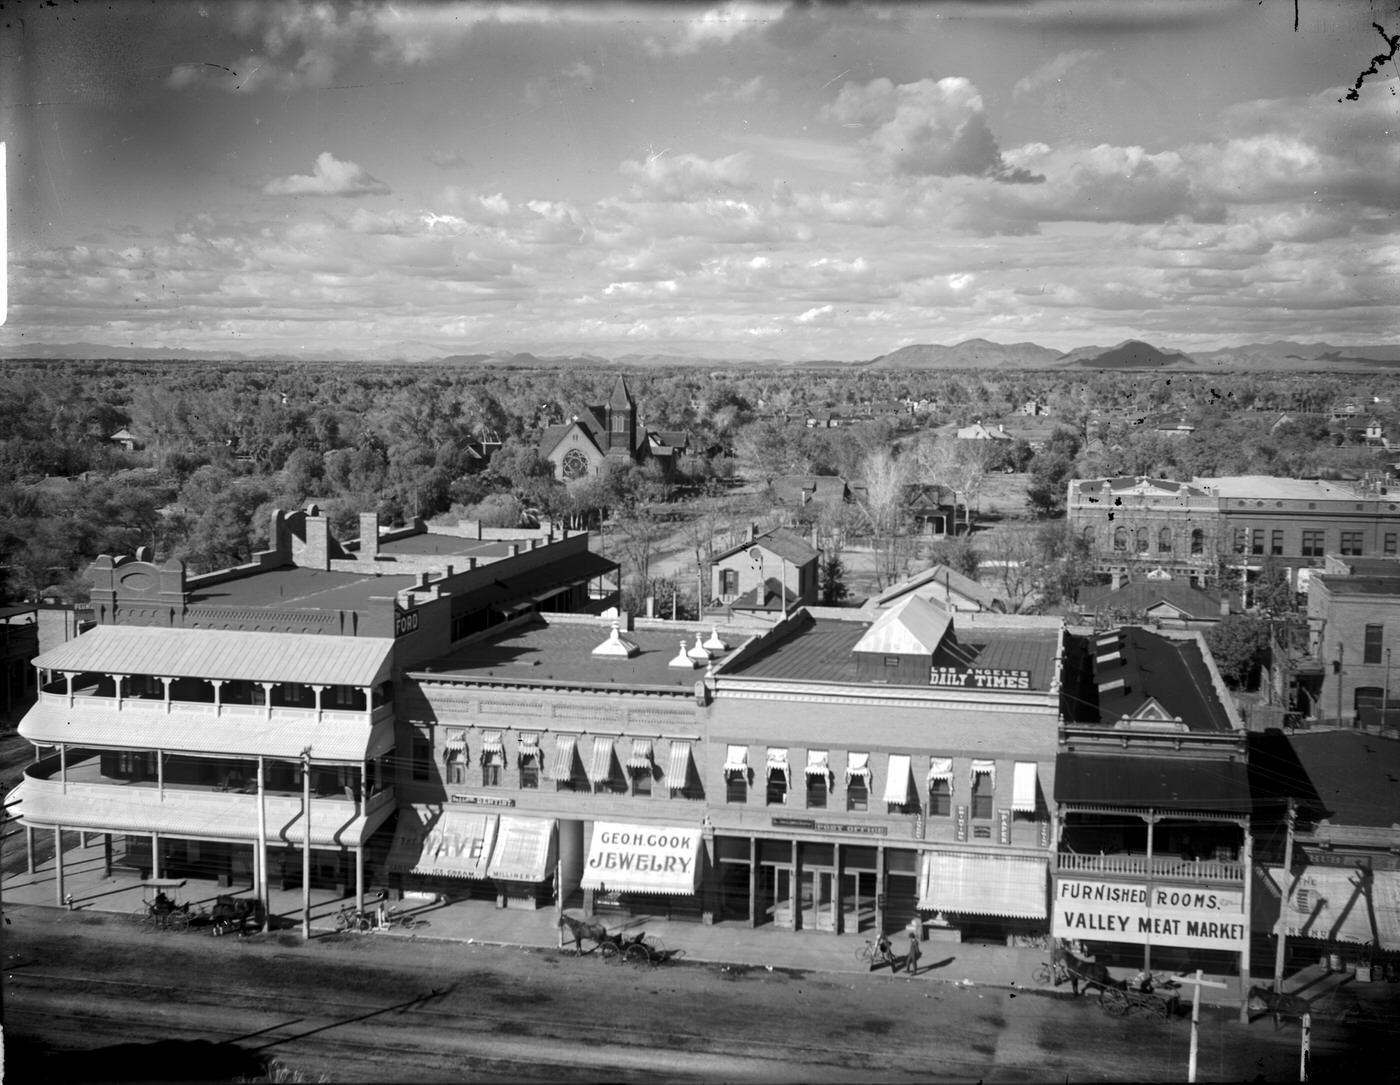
x: 1166, y: 867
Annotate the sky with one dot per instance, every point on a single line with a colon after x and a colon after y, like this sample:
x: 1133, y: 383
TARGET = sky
x: 800, y: 181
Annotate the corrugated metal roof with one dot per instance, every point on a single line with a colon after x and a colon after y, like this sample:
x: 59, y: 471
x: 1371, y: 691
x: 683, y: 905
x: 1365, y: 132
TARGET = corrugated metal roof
x: 1157, y: 782
x: 913, y: 626
x: 226, y: 654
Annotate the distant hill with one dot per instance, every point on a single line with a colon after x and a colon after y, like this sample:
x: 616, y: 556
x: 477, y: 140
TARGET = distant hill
x: 1129, y: 354
x: 969, y: 354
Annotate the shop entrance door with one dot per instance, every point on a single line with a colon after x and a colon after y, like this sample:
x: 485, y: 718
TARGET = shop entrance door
x: 775, y: 896
x: 858, y: 901
x: 818, y: 900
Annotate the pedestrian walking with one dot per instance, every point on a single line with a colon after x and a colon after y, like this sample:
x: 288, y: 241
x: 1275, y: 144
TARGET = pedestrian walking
x: 911, y: 962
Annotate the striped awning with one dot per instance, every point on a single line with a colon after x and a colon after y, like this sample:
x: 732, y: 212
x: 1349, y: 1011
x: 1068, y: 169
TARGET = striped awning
x: 900, y: 781
x: 458, y: 845
x: 778, y: 762
x: 564, y: 754
x: 525, y: 850
x: 736, y: 760
x: 643, y: 859
x: 678, y: 768
x: 993, y: 885
x: 984, y: 767
x: 493, y: 751
x: 456, y: 739
x: 858, y: 767
x: 528, y: 746
x: 641, y: 755
x: 817, y: 764
x: 600, y: 768
x: 941, y: 768
x: 1024, y: 787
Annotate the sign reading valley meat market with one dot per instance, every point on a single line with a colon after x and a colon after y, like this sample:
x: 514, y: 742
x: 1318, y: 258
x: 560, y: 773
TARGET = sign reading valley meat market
x: 1162, y: 915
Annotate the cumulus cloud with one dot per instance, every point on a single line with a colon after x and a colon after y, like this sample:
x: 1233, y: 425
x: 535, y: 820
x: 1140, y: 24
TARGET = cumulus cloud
x: 719, y: 25
x: 928, y: 128
x: 1054, y: 70
x: 331, y: 177
x: 664, y: 176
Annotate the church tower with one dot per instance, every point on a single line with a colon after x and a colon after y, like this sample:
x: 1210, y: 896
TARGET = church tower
x: 622, y: 420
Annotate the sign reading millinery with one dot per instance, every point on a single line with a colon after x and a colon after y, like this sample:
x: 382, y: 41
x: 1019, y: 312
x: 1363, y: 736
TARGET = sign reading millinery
x: 483, y: 800
x: 405, y: 622
x: 960, y: 823
x: 1165, y: 915
x: 1004, y: 826
x: 979, y: 678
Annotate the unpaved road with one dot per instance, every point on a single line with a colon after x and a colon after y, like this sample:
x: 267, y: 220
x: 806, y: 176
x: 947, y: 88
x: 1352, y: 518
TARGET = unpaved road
x: 90, y: 997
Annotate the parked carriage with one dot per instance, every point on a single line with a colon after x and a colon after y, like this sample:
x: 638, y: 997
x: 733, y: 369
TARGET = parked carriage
x: 161, y: 911
x: 617, y: 946
x: 1154, y: 997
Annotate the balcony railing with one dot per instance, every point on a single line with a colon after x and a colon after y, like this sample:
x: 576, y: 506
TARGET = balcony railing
x: 87, y: 701
x: 1159, y: 866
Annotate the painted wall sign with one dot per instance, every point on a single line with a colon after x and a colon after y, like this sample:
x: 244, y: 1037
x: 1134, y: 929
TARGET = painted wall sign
x: 960, y: 823
x: 405, y: 622
x: 1162, y: 915
x: 1004, y: 826
x: 1043, y: 830
x: 793, y: 823
x: 860, y: 830
x: 983, y: 678
x: 482, y: 800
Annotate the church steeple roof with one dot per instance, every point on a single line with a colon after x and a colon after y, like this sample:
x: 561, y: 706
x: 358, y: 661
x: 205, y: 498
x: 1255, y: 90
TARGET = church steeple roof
x: 621, y: 397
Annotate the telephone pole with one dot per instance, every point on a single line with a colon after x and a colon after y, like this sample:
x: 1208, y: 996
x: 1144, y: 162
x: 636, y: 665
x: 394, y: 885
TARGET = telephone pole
x: 306, y: 843
x: 1279, y: 926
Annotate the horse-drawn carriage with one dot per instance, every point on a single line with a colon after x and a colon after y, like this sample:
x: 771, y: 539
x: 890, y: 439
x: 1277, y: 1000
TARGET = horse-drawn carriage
x: 617, y: 946
x: 232, y: 913
x: 1153, y: 995
x: 161, y: 911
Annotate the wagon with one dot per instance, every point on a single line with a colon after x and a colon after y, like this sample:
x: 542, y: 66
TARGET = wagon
x: 640, y: 949
x: 160, y: 911
x: 1154, y: 1002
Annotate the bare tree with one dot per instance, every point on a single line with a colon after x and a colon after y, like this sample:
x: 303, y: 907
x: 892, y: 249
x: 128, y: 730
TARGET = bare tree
x: 885, y: 476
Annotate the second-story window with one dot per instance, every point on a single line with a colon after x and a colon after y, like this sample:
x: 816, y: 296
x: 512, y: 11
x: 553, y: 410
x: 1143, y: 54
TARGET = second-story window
x: 778, y: 776
x: 456, y: 767
x: 818, y: 775
x: 640, y: 766
x: 1372, y: 649
x: 1312, y: 544
x: 1351, y: 543
x: 857, y: 781
x: 529, y: 758
x: 729, y: 582
x: 940, y: 787
x: 1276, y: 542
x: 983, y: 787
x: 736, y: 775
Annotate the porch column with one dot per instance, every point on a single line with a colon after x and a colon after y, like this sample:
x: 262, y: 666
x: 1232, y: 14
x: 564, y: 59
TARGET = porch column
x: 58, y: 864
x: 63, y: 766
x: 794, y: 894
x: 107, y: 854
x: 167, y: 683
x: 318, y: 690
x: 68, y: 677
x: 218, y: 684
x: 753, y: 881
x: 836, y: 912
x: 118, y: 681
x: 267, y: 697
x: 29, y: 849
x: 155, y: 855
x: 880, y: 889
x: 260, y: 853
x: 1247, y: 866
x: 360, y: 878
x: 1147, y: 946
x: 160, y: 774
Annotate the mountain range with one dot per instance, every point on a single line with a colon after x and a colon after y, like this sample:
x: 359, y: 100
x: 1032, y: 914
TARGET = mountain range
x: 971, y: 354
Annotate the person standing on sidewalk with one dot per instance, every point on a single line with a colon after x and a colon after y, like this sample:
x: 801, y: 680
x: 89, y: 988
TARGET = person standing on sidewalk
x: 911, y: 962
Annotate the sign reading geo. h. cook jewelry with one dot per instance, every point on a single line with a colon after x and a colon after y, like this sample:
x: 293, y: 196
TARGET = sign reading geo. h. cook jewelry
x: 1165, y: 915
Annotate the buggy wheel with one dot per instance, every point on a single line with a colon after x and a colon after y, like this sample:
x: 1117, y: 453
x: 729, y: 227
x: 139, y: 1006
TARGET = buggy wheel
x: 362, y: 924
x: 413, y: 923
x: 177, y: 921
x: 1043, y: 975
x: 866, y: 953
x: 611, y: 954
x: 637, y: 954
x: 1114, y: 1002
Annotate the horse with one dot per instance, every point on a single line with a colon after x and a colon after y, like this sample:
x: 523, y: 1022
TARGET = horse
x: 581, y: 929
x: 1088, y: 973
x: 233, y: 913
x: 1263, y: 1000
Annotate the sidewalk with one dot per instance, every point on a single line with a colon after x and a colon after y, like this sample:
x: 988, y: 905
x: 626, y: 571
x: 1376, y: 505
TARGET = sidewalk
x: 481, y: 922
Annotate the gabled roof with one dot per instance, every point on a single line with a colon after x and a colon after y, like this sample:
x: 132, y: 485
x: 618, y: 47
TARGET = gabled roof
x: 939, y: 580
x: 912, y: 627
x: 553, y: 435
x: 778, y: 541
x: 1140, y: 596
x: 1135, y: 665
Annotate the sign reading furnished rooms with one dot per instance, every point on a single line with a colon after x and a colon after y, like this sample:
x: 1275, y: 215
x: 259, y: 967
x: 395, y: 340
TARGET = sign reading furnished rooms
x: 1165, y: 915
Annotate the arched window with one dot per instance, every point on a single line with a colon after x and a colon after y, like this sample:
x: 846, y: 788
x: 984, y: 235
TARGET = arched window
x: 1120, y: 538
x: 1088, y: 536
x: 1164, y: 541
x: 1198, y: 541
x: 1141, y: 540
x: 575, y: 464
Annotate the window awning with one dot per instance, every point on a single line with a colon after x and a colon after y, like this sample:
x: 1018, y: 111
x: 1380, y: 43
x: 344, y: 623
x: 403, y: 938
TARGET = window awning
x: 984, y: 767
x: 778, y: 762
x: 643, y: 859
x: 458, y: 845
x: 900, y: 779
x: 641, y: 755
x: 456, y: 739
x: 678, y: 769
x: 816, y: 764
x: 941, y: 768
x: 492, y: 745
x: 525, y: 850
x: 737, y: 759
x: 1342, y: 904
x: 858, y: 768
x: 600, y: 769
x: 564, y: 755
x: 994, y: 885
x: 1024, y: 786
x: 528, y: 746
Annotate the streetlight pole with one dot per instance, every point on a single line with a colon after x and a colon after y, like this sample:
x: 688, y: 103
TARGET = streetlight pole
x: 1341, y: 662
x: 306, y: 844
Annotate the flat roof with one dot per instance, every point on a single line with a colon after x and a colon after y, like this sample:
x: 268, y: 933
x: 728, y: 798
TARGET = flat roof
x: 1360, y: 585
x: 295, y: 588
x: 1356, y: 776
x: 1267, y: 486
x: 539, y: 652
x: 432, y: 543
x: 822, y: 650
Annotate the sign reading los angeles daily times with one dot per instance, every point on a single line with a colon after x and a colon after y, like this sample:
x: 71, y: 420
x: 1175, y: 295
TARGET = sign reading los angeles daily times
x: 1164, y: 915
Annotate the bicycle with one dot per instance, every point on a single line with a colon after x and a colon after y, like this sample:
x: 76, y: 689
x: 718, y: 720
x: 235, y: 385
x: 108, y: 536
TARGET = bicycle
x: 352, y: 921
x: 404, y: 920
x: 875, y: 953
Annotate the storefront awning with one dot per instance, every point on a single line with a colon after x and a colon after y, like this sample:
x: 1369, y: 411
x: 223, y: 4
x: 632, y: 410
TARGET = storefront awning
x: 1024, y: 787
x: 816, y: 764
x: 643, y: 859
x: 409, y: 833
x: 641, y: 755
x: 600, y: 768
x: 968, y: 883
x: 458, y: 845
x: 858, y: 767
x: 524, y: 850
x: 736, y: 760
x: 778, y: 762
x: 900, y: 780
x: 941, y: 768
x: 678, y: 768
x: 564, y: 755
x: 1342, y: 904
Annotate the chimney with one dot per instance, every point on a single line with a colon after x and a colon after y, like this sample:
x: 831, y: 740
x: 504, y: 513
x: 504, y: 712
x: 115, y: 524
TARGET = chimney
x: 1117, y: 579
x: 514, y: 549
x: 752, y: 531
x: 369, y: 535
x: 316, y: 554
x: 471, y: 564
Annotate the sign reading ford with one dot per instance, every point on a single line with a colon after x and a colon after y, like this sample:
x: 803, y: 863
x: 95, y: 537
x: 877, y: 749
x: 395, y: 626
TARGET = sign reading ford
x: 1162, y: 915
x: 405, y: 622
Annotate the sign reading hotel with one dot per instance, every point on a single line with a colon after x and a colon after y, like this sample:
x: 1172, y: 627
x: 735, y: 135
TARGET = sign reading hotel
x: 979, y: 678
x: 1165, y: 915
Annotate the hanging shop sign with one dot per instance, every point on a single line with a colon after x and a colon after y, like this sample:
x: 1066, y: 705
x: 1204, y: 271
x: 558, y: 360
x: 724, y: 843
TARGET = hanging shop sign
x: 1004, y: 826
x: 960, y: 823
x: 979, y: 678
x: 482, y: 800
x: 1043, y: 832
x: 1161, y: 915
x: 828, y: 826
